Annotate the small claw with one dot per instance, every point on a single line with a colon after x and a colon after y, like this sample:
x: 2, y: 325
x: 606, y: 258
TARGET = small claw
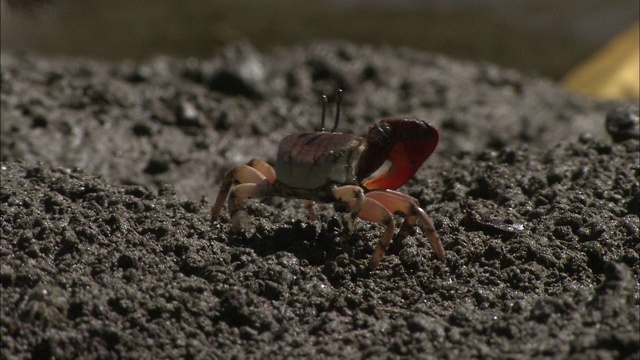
x: 413, y: 141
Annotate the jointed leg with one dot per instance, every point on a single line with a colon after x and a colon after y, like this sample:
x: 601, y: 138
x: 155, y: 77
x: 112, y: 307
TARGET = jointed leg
x: 311, y: 208
x: 265, y: 169
x: 399, y: 203
x: 349, y: 193
x: 240, y: 193
x: 373, y: 211
x: 241, y: 174
x: 370, y: 210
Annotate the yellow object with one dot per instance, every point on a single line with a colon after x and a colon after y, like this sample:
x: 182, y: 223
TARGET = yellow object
x: 613, y: 72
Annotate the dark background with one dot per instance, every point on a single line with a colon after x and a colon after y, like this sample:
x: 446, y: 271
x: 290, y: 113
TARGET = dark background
x: 541, y: 36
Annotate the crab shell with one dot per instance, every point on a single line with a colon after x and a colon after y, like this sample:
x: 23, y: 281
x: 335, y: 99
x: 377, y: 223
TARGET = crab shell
x: 309, y: 161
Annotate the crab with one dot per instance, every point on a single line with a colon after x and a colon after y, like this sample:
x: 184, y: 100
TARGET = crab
x: 330, y: 166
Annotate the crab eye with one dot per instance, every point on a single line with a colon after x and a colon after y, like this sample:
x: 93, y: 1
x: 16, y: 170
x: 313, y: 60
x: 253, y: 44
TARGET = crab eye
x: 385, y: 129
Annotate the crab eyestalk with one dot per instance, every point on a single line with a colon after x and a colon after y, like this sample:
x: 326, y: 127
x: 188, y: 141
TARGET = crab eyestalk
x: 325, y: 101
x: 406, y: 143
x: 338, y: 103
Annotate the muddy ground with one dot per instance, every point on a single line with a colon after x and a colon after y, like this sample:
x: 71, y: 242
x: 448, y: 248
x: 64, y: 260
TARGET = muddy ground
x: 109, y: 172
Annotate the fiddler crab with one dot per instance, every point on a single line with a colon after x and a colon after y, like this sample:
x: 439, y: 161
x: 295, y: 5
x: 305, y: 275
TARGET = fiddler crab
x: 337, y: 167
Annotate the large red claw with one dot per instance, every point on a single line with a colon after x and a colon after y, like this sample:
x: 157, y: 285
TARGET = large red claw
x: 406, y: 143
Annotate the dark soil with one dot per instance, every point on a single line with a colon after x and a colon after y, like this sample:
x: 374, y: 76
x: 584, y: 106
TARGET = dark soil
x: 109, y: 172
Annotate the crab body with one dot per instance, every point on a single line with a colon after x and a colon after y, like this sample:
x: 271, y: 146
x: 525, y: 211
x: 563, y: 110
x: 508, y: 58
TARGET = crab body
x: 309, y: 163
x: 339, y: 167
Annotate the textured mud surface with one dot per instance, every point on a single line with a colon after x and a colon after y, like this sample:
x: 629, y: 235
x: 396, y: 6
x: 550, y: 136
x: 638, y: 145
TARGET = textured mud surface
x: 109, y: 172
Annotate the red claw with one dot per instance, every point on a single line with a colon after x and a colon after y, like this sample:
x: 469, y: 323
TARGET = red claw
x: 406, y: 143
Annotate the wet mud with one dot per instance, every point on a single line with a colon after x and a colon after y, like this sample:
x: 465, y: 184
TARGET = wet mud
x: 109, y: 172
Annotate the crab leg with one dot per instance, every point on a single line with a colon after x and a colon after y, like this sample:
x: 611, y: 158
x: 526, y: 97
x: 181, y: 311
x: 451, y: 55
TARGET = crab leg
x: 311, y: 208
x: 264, y: 168
x: 242, y: 192
x: 385, y: 196
x: 397, y: 202
x: 242, y: 174
x: 370, y: 210
x: 347, y: 193
x: 375, y: 212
